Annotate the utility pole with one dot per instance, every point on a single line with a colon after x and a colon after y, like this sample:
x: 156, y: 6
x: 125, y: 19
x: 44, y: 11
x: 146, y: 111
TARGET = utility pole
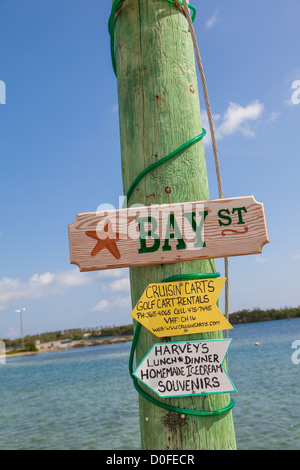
x: 159, y: 111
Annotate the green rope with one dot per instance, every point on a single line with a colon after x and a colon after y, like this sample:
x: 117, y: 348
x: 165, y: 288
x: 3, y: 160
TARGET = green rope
x: 162, y: 160
x: 182, y: 411
x: 111, y: 26
x: 111, y: 22
x: 191, y: 277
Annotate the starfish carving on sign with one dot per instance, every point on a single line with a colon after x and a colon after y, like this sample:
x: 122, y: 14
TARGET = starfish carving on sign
x: 105, y: 242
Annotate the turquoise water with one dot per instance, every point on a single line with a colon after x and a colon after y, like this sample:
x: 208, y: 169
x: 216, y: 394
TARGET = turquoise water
x: 84, y: 398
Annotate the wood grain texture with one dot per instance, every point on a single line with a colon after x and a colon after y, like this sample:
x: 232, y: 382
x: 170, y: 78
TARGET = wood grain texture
x: 159, y: 111
x: 103, y: 240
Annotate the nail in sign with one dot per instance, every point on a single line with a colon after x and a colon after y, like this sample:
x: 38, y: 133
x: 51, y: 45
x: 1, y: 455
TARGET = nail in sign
x: 186, y: 368
x: 178, y: 308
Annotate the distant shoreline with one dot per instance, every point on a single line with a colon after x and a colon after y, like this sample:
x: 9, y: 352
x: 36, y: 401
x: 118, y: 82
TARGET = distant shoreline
x: 55, y: 346
x: 79, y: 338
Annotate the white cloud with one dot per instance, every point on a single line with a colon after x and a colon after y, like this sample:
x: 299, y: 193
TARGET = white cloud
x: 73, y: 278
x: 260, y: 259
x: 40, y: 285
x: 297, y: 256
x: 42, y: 279
x: 120, y: 285
x: 101, y: 306
x: 124, y: 302
x: 274, y: 116
x: 111, y: 273
x: 235, y: 119
x: 288, y: 102
x: 104, y: 305
x: 212, y: 20
x: 114, y: 282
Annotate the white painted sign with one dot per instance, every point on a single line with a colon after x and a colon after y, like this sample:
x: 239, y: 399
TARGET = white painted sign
x: 186, y: 368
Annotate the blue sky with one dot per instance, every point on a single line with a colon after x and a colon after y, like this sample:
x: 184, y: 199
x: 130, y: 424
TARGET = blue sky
x: 60, y: 151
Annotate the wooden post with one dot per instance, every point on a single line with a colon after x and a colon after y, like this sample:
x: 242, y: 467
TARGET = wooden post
x: 159, y: 111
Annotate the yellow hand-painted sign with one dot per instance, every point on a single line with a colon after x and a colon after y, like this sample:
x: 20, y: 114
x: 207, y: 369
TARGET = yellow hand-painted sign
x: 179, y: 308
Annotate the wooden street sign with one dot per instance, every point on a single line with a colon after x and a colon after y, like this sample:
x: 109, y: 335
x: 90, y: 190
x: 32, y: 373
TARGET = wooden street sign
x: 167, y: 233
x: 178, y: 308
x: 186, y: 368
